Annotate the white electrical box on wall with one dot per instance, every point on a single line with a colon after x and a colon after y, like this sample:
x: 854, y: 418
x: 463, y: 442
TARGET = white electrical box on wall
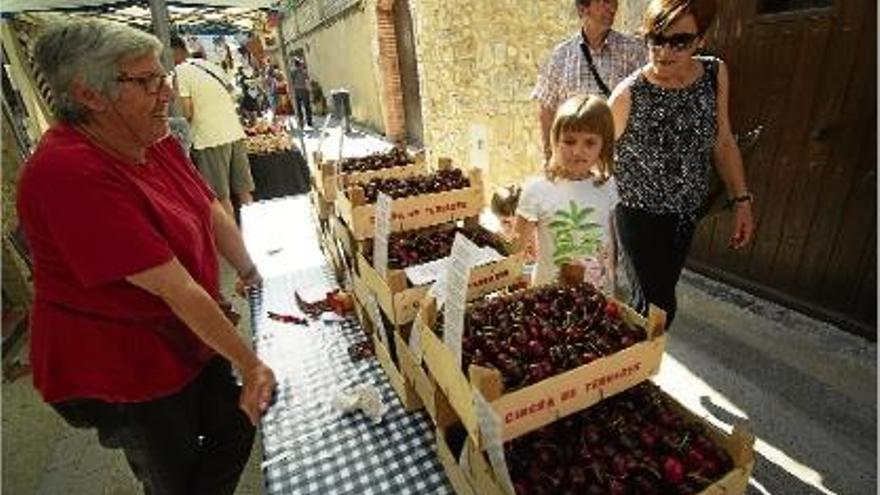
x: 479, y: 156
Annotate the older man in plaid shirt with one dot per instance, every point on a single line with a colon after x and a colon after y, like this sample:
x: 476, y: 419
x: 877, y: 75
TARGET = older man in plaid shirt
x: 568, y: 71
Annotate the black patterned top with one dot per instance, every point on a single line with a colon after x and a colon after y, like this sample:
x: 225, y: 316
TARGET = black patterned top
x: 664, y: 154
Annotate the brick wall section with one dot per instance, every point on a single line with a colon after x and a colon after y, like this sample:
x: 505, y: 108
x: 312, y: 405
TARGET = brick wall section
x: 395, y: 124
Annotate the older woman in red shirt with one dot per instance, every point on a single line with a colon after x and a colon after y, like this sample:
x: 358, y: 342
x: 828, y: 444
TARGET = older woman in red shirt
x: 127, y: 335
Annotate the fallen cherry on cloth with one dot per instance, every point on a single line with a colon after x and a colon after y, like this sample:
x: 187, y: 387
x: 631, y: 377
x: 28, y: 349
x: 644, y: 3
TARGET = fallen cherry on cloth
x: 361, y: 350
x: 291, y: 319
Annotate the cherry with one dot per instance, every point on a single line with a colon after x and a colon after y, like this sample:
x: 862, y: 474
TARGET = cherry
x: 536, y: 348
x: 673, y: 470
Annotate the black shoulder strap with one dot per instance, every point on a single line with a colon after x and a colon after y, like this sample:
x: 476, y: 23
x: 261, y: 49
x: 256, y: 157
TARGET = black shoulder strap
x: 215, y: 76
x: 602, y: 86
x: 711, y: 66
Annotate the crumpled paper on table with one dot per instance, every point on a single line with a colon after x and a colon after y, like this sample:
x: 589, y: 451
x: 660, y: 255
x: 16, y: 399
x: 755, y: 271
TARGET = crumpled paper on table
x: 362, y: 397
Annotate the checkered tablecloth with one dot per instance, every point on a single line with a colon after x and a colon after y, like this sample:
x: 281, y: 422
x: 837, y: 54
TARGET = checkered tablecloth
x: 311, y: 448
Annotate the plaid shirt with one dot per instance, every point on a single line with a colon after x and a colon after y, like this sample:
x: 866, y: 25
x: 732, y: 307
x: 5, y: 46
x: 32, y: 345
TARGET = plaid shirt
x: 566, y: 73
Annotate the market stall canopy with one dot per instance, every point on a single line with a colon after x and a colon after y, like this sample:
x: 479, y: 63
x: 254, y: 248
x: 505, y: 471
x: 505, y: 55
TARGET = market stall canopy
x: 189, y: 16
x: 32, y: 5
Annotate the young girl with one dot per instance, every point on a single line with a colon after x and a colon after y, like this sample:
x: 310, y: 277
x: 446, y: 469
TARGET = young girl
x: 570, y: 207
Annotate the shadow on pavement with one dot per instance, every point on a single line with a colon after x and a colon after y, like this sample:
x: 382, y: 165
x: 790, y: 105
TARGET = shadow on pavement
x: 824, y: 430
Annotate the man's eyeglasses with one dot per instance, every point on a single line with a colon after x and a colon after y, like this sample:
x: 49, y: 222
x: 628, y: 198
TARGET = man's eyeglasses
x: 151, y: 83
x: 676, y: 42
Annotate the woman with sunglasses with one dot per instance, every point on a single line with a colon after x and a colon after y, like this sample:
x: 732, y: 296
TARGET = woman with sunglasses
x: 671, y: 119
x: 127, y: 336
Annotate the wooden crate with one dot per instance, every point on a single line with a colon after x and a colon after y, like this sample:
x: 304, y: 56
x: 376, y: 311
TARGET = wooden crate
x: 413, y: 212
x: 347, y: 244
x: 458, y: 476
x: 360, y: 290
x: 400, y: 301
x: 329, y: 181
x: 739, y: 444
x: 322, y: 208
x: 331, y: 252
x: 436, y: 404
x: 536, y: 405
x: 404, y: 389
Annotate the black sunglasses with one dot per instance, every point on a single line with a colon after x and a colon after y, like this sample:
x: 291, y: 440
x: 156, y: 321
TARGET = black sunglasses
x: 676, y: 42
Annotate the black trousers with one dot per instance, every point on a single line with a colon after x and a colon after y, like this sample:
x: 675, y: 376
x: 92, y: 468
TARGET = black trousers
x: 655, y: 247
x: 303, y: 106
x: 195, y: 442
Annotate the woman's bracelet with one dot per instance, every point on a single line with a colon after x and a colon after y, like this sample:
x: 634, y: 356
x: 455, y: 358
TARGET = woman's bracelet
x: 742, y: 198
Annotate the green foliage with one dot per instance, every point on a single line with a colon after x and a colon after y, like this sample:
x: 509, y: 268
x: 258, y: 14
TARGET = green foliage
x: 576, y: 236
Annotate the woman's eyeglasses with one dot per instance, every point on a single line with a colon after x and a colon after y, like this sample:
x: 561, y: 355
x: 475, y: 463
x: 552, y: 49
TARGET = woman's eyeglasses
x: 677, y: 42
x: 151, y: 83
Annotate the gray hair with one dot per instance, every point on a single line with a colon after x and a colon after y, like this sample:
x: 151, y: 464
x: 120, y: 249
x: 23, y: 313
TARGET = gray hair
x: 90, y: 49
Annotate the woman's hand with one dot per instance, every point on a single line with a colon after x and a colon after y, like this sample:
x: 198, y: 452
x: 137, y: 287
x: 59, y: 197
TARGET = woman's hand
x: 256, y: 394
x: 743, y: 225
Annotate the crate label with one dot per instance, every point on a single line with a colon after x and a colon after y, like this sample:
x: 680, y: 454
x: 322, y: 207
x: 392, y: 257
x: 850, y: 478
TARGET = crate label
x: 376, y: 316
x: 560, y: 397
x: 443, y: 208
x: 432, y: 270
x: 490, y: 435
x: 438, y: 291
x: 380, y: 238
x: 464, y: 253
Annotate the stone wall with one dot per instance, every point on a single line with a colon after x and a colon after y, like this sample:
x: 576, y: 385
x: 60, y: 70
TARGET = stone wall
x: 478, y: 62
x: 629, y: 15
x: 341, y: 52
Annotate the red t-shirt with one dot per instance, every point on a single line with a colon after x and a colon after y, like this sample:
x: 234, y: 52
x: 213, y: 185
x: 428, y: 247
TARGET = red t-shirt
x: 90, y: 221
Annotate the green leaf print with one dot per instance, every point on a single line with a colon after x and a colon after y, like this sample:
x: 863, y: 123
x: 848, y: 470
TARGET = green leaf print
x: 575, y: 236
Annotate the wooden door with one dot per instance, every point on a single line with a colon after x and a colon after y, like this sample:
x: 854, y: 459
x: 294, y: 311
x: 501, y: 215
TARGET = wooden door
x: 806, y: 71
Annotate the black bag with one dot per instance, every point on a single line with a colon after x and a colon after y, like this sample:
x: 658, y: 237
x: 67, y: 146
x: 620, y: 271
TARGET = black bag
x: 716, y: 201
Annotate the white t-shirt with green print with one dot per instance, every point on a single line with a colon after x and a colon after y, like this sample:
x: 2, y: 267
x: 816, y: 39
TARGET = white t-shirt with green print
x: 573, y: 223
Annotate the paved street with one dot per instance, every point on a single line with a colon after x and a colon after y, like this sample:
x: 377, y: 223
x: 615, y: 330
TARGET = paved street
x: 809, y: 389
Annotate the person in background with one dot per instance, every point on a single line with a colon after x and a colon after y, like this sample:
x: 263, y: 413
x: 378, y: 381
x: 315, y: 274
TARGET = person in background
x: 251, y: 97
x: 671, y: 118
x: 128, y: 337
x: 569, y: 208
x: 593, y: 61
x: 504, y: 202
x: 503, y: 205
x: 299, y: 78
x: 219, y: 149
x: 272, y: 87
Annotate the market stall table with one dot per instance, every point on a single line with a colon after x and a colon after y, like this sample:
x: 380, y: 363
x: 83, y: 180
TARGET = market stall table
x: 309, y: 446
x: 279, y: 173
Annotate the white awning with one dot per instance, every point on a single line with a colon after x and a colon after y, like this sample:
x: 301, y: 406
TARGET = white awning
x: 12, y: 6
x: 187, y: 16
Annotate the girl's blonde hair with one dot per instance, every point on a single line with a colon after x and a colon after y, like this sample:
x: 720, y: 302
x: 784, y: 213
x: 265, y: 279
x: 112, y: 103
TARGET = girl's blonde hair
x: 582, y: 113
